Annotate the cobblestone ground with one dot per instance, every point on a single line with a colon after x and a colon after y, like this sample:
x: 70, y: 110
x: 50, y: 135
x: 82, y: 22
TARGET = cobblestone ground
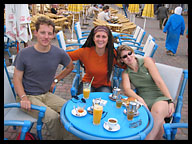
x: 152, y: 27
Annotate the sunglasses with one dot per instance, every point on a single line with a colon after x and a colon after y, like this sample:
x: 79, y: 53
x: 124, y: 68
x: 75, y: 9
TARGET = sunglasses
x: 125, y: 56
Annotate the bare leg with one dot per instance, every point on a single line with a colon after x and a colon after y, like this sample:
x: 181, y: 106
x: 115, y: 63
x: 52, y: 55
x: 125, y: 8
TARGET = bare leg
x: 159, y: 111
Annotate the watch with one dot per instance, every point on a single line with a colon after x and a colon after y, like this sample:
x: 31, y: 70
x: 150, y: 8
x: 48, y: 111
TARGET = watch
x: 56, y: 81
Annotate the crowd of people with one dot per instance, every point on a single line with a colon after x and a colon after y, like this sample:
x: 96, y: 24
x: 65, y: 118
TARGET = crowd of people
x: 35, y: 68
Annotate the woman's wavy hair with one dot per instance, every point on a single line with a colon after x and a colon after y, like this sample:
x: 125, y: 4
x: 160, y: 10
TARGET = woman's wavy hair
x: 110, y: 46
x: 120, y: 49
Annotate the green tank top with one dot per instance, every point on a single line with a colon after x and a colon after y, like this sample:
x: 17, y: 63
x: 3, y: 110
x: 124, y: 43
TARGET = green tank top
x: 145, y: 85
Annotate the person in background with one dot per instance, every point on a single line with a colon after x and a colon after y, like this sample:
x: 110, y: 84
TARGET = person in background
x: 152, y: 92
x: 104, y: 15
x: 92, y: 9
x: 174, y: 27
x: 54, y: 9
x: 98, y: 56
x: 34, y: 77
x: 162, y: 13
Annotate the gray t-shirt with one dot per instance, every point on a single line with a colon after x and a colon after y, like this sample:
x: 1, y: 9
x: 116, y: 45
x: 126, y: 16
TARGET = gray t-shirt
x: 39, y: 68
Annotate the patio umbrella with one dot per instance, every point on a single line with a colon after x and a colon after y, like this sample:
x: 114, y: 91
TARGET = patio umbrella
x: 148, y: 12
x: 75, y: 9
x: 17, y: 21
x: 133, y: 9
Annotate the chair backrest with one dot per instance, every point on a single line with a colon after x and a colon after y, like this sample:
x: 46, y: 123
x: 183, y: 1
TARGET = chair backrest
x: 137, y: 30
x: 151, y: 48
x: 171, y: 76
x: 78, y: 31
x: 147, y: 42
x: 61, y: 40
x: 8, y: 91
x: 140, y: 36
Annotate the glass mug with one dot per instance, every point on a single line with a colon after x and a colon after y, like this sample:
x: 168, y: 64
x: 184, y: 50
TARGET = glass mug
x: 118, y: 102
x: 131, y: 109
x: 86, y: 90
x: 97, y: 114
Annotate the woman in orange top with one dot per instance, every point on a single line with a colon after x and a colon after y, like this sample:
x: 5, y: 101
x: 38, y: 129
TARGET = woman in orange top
x: 98, y: 56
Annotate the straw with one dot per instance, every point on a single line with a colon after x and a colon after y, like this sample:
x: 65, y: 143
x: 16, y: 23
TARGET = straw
x: 91, y: 82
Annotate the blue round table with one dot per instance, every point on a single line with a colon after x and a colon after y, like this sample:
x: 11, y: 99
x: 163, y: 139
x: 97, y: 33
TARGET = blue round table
x: 83, y: 127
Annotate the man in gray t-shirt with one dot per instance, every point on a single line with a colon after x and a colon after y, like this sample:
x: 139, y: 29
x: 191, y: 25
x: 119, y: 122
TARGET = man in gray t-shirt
x: 34, y: 76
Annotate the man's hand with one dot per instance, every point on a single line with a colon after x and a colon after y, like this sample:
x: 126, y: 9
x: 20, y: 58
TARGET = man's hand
x: 25, y: 103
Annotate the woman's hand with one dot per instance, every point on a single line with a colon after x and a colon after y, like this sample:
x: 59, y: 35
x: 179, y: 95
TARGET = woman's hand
x: 171, y: 109
x: 140, y: 99
x: 25, y: 103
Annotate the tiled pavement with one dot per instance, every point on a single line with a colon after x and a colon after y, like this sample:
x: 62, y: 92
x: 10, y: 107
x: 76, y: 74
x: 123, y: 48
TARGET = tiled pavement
x: 152, y: 27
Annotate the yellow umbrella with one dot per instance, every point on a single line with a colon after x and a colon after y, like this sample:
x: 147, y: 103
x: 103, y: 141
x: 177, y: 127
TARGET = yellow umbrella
x: 74, y: 8
x: 133, y: 9
x: 148, y: 12
x: 119, y: 5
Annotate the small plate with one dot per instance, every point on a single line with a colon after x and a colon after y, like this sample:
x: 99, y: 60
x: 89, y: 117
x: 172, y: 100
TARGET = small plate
x: 111, y: 98
x: 90, y: 110
x: 135, y: 114
x: 78, y: 114
x: 116, y: 128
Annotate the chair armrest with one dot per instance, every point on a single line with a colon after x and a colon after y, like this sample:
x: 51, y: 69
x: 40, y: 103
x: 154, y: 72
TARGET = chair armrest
x: 139, y: 52
x: 74, y: 44
x: 168, y: 127
x: 129, y: 35
x: 85, y: 35
x: 124, y: 37
x: 83, y: 32
x: 129, y: 42
x: 41, y: 110
x: 26, y: 125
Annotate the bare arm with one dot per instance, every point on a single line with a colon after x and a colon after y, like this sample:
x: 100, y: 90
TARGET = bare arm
x: 17, y: 80
x: 63, y: 74
x: 150, y: 65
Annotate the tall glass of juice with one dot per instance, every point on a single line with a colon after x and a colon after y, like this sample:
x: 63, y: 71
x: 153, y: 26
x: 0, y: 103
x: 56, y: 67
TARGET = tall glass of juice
x: 97, y: 114
x: 86, y: 90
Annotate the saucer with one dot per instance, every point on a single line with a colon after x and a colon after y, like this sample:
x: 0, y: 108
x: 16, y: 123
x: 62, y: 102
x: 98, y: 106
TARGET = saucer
x: 78, y: 114
x: 116, y: 128
x: 135, y: 114
x: 111, y: 98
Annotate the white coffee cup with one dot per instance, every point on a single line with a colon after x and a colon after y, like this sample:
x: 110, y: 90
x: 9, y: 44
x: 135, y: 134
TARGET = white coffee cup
x: 112, y: 122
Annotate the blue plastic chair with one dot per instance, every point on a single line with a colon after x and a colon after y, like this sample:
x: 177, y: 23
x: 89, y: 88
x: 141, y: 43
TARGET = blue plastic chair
x: 63, y: 45
x: 26, y: 125
x: 12, y: 109
x: 81, y: 36
x: 171, y: 129
x: 133, y: 41
x: 175, y: 80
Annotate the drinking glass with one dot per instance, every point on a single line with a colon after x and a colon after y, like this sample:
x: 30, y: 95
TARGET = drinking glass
x: 86, y: 90
x: 97, y: 114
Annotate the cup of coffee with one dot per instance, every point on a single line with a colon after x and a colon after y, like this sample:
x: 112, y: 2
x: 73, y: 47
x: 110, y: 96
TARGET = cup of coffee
x: 112, y: 122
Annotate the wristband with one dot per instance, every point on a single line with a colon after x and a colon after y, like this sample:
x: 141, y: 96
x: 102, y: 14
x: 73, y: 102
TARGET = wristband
x: 23, y: 96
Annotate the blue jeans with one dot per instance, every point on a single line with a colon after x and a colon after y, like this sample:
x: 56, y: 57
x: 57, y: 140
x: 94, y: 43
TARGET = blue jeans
x: 93, y: 89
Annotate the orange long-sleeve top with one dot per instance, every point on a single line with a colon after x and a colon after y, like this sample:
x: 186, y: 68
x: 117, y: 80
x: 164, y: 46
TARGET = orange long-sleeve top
x: 95, y: 65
